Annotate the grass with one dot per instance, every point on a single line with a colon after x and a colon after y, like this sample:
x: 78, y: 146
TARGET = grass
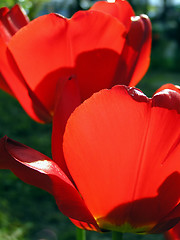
x: 28, y: 213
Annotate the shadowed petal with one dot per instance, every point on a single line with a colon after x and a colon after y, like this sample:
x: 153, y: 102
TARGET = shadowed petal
x: 68, y: 98
x: 59, y: 41
x: 85, y: 225
x: 134, y: 60
x: 97, y: 57
x: 12, y: 81
x: 4, y: 86
x: 122, y: 150
x: 37, y: 169
x: 173, y: 233
x: 3, y: 11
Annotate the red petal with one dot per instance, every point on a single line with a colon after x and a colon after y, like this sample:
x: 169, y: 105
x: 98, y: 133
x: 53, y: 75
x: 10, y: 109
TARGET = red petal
x: 68, y: 98
x: 37, y: 169
x: 4, y: 86
x: 48, y: 49
x: 17, y: 18
x: 169, y: 86
x: 96, y: 51
x: 11, y: 21
x: 4, y: 34
x: 86, y: 226
x: 134, y: 60
x: 3, y: 11
x: 122, y: 150
x: 119, y: 9
x: 13, y: 82
x: 173, y: 233
x: 169, y: 221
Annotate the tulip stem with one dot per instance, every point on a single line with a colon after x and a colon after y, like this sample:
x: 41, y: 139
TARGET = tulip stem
x: 117, y: 236
x: 80, y: 234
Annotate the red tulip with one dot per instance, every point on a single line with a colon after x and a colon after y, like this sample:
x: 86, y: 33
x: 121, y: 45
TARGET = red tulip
x: 98, y: 48
x: 173, y: 233
x: 122, y: 152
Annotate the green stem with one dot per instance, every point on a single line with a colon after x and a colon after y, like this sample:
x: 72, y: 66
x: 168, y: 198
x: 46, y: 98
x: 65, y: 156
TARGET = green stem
x: 117, y: 236
x: 80, y: 234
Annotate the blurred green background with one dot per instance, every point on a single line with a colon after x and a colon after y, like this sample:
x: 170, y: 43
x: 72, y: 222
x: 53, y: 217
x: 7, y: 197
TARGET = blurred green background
x: 28, y: 213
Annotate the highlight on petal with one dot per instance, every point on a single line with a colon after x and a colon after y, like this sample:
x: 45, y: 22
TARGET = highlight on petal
x: 37, y: 169
x: 11, y: 21
x: 169, y: 86
x: 135, y: 58
x: 122, y: 151
x: 119, y: 9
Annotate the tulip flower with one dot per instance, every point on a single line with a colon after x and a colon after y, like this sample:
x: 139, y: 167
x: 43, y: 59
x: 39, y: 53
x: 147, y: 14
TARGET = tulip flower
x: 97, y: 48
x: 122, y: 152
x: 173, y: 233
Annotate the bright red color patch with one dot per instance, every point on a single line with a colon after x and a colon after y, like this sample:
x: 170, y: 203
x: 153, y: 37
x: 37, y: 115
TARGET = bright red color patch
x: 98, y: 47
x: 121, y: 167
x: 122, y: 150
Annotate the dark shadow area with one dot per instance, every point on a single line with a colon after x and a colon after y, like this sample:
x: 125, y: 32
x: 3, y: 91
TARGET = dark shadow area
x: 89, y: 71
x: 155, y: 211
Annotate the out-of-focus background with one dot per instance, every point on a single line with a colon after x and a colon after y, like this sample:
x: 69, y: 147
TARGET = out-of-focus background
x: 28, y: 213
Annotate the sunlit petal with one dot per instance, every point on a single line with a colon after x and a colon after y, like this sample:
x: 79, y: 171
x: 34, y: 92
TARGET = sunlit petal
x: 37, y: 169
x: 122, y: 150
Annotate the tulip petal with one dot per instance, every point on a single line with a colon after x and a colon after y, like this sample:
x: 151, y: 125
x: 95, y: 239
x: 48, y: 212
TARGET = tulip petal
x: 119, y: 9
x: 168, y: 221
x: 17, y: 18
x: 135, y: 58
x: 173, y: 233
x: 4, y: 86
x: 68, y: 98
x: 56, y: 38
x: 13, y: 82
x: 4, y: 34
x: 97, y: 57
x: 11, y: 21
x: 3, y: 11
x: 169, y: 86
x: 122, y: 150
x: 85, y: 225
x: 37, y: 169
